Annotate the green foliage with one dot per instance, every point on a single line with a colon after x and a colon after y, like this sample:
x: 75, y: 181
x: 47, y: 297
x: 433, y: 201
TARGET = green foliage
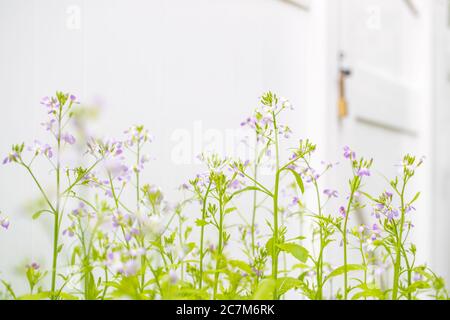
x: 124, y: 240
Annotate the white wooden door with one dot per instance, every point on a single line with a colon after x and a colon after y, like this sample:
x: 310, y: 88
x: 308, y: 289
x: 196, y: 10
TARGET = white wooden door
x: 384, y: 44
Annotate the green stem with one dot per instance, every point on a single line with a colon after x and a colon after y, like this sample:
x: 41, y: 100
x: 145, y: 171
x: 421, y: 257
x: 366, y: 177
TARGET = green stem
x: 39, y: 187
x: 254, y: 205
x: 275, y: 211
x: 180, y: 237
x: 202, y: 234
x: 138, y: 196
x: 399, y: 246
x: 409, y: 270
x: 220, y: 247
x: 344, y: 234
x: 57, y: 217
x: 138, y: 205
x: 319, y: 264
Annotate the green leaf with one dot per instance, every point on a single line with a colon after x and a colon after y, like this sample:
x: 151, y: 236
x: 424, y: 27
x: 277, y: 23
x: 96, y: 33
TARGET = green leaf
x: 286, y: 284
x: 299, y: 252
x: 9, y: 289
x: 265, y: 290
x: 68, y: 296
x: 415, y: 198
x: 36, y: 296
x: 201, y: 223
x: 369, y: 293
x: 229, y: 210
x: 76, y: 252
x: 251, y: 188
x: 300, y: 266
x: 39, y: 213
x: 241, y: 265
x: 417, y: 285
x: 269, y: 245
x: 341, y: 270
x: 298, y: 179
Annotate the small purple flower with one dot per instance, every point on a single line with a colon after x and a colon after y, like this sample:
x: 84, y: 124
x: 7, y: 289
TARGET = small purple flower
x: 266, y: 120
x: 376, y: 231
x: 173, y: 277
x: 133, y: 232
x: 49, y: 124
x: 4, y: 222
x: 409, y: 224
x: 73, y: 99
x: 295, y: 201
x: 45, y: 101
x: 235, y: 184
x: 285, y: 131
x: 38, y: 148
x: 310, y: 175
x: 376, y: 228
x: 392, y: 213
x: 52, y: 104
x: 292, y: 167
x: 70, y: 231
x: 68, y: 138
x: 361, y: 228
x: 12, y: 157
x: 137, y: 134
x: 250, y: 121
x: 329, y: 165
x: 342, y: 212
x: 34, y: 266
x: 330, y: 193
x: 130, y: 267
x: 348, y: 153
x: 380, y: 269
x: 311, y: 273
x: 185, y: 186
x: 258, y: 273
x: 417, y: 277
x: 79, y: 210
x: 145, y: 158
x: 235, y: 169
x: 363, y: 172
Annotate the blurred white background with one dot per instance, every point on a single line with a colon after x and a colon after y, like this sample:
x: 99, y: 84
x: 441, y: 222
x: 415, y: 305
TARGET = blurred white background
x: 189, y: 64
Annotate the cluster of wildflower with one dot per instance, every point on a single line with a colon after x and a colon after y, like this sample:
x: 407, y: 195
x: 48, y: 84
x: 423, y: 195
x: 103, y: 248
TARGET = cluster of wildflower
x: 384, y: 207
x: 368, y: 235
x: 137, y: 135
x: 264, y: 117
x: 124, y: 261
x: 4, y: 222
x: 15, y: 155
x: 58, y: 108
